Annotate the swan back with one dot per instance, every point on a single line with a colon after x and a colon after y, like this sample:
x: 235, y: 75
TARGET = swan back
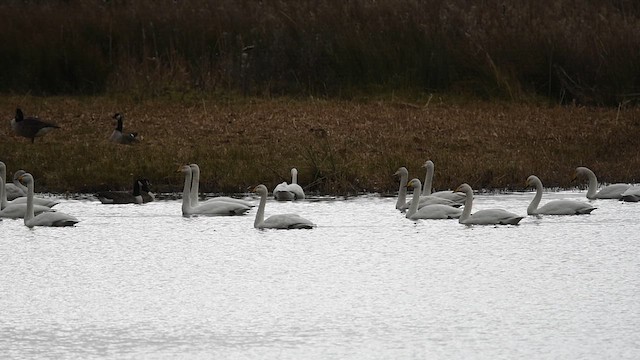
x: 484, y: 217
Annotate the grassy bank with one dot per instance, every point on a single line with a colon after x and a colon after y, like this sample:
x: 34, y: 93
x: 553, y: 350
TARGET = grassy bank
x: 565, y: 50
x: 339, y: 147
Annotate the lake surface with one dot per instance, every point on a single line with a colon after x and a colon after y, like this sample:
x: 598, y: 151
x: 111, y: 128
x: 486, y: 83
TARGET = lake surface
x: 143, y: 282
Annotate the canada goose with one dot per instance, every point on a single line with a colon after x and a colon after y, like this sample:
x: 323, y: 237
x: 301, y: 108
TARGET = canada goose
x: 30, y: 127
x: 120, y: 137
x: 141, y: 194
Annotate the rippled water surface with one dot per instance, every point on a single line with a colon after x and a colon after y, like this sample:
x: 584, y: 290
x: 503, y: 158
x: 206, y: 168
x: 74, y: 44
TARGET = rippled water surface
x: 134, y: 282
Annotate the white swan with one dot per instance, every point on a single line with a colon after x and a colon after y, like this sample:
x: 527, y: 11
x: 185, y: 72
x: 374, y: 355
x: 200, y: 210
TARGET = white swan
x: 15, y: 190
x: 434, y: 211
x: 456, y: 197
x: 195, y: 188
x: 402, y: 203
x: 212, y: 208
x: 555, y: 207
x: 16, y: 211
x: 613, y: 191
x: 279, y: 221
x: 23, y: 199
x: 53, y: 218
x: 632, y: 194
x: 487, y: 216
x: 288, y: 192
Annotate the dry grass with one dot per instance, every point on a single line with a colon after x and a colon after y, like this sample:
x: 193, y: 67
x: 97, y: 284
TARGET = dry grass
x: 339, y: 147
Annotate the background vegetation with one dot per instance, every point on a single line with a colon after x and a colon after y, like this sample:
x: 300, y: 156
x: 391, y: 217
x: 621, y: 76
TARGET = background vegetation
x: 339, y: 147
x: 585, y: 51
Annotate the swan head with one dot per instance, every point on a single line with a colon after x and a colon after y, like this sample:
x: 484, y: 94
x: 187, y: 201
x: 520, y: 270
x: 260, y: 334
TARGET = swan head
x: 581, y: 171
x: 402, y: 171
x: 465, y: 188
x: 428, y: 164
x: 260, y: 189
x: 18, y: 173
x: 532, y: 180
x: 294, y: 171
x: 195, y: 167
x: 414, y: 184
x: 184, y: 168
x: 26, y: 179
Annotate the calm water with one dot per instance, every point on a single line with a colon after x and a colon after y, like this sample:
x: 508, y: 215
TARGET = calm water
x: 136, y: 282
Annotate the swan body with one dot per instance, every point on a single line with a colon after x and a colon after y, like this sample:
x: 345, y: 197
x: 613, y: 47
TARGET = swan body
x: 613, y: 191
x: 279, y: 221
x: 434, y: 211
x: 402, y: 203
x: 16, y: 211
x: 53, y: 218
x: 119, y: 136
x: 211, y: 208
x: 195, y: 187
x: 30, y: 127
x: 141, y: 194
x: 288, y: 192
x: 487, y: 216
x: 23, y: 199
x: 632, y: 194
x: 555, y: 207
x: 456, y: 197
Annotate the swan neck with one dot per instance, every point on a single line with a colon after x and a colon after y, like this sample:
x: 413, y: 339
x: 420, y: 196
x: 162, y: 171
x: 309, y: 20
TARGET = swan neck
x: 414, y: 202
x: 3, y: 194
x: 468, y: 203
x: 402, y: 191
x: 186, y: 201
x: 294, y: 177
x: 428, y: 181
x: 533, y: 206
x: 195, y: 186
x: 260, y: 214
x: 29, y: 214
x: 593, y: 185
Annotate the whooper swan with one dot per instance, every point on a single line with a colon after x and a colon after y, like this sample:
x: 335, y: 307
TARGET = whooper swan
x: 487, y: 216
x: 433, y: 211
x: 555, y: 207
x: 279, y: 221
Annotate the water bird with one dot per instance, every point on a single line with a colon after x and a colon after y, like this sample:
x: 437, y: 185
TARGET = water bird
x: 16, y: 211
x: 613, y: 191
x: 141, y: 194
x: 279, y: 221
x: 402, y: 204
x: 121, y: 137
x: 632, y: 194
x: 53, y: 218
x: 554, y: 207
x: 16, y: 189
x: 456, y: 197
x: 212, y: 208
x: 486, y: 216
x: 433, y: 211
x: 22, y: 199
x: 195, y: 187
x: 288, y: 192
x: 30, y: 127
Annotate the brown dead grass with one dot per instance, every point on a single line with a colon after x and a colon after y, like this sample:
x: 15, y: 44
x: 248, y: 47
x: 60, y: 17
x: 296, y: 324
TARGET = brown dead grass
x: 339, y: 147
